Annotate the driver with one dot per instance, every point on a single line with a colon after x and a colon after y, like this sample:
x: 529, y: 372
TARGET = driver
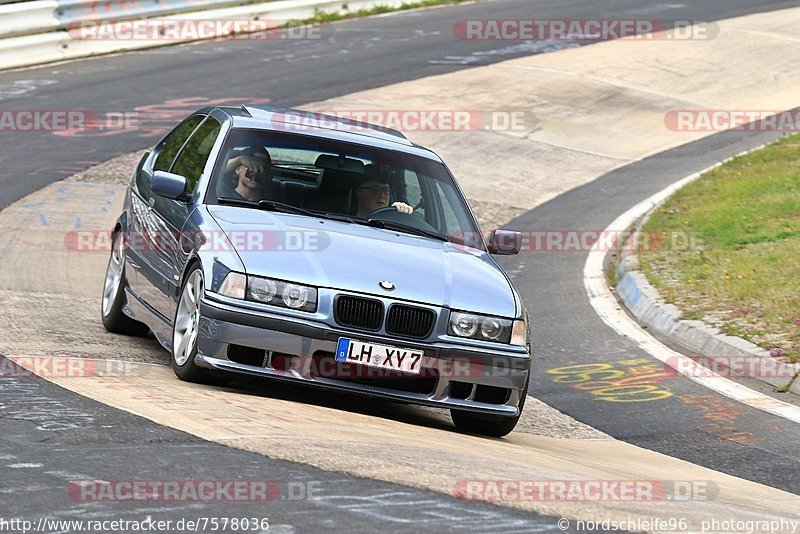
x: 374, y: 194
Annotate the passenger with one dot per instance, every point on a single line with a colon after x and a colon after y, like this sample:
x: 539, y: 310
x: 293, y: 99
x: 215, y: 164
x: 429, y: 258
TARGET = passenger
x: 263, y: 161
x: 249, y: 173
x: 375, y: 193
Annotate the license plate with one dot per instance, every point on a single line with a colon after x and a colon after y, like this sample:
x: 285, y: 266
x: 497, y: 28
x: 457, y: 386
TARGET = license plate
x: 380, y: 356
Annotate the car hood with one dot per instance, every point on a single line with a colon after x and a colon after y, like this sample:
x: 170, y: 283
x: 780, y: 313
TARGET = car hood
x: 353, y: 257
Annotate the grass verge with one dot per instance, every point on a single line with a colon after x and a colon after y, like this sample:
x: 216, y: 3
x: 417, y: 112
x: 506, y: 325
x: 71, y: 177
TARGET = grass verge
x: 729, y: 248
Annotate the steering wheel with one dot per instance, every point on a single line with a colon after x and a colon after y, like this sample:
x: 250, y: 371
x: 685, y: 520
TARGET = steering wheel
x: 388, y: 210
x: 391, y: 214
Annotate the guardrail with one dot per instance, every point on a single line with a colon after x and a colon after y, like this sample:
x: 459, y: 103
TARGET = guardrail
x: 38, y: 16
x: 39, y: 31
x: 28, y: 17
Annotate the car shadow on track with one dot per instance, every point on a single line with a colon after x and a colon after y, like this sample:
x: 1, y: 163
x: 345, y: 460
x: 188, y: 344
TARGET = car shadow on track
x: 396, y: 411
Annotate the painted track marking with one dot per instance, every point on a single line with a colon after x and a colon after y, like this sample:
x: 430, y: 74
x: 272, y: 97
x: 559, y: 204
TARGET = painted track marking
x: 611, y: 312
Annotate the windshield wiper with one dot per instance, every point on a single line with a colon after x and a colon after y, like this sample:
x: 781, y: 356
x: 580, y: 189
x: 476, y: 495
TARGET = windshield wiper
x: 339, y: 217
x: 273, y: 205
x: 391, y: 225
x: 284, y: 208
x: 269, y: 205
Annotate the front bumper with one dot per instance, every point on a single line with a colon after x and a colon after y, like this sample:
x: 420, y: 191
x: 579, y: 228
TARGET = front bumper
x: 477, y: 379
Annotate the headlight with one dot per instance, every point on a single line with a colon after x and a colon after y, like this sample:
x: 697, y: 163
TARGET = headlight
x: 280, y: 293
x: 492, y: 328
x: 262, y: 289
x: 464, y: 325
x: 295, y: 296
x: 480, y: 327
x: 269, y: 291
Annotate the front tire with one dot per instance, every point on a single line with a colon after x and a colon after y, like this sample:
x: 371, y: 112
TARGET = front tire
x: 185, y: 329
x: 114, y: 319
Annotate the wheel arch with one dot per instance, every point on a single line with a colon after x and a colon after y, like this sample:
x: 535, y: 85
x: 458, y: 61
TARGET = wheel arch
x: 192, y: 261
x: 119, y: 224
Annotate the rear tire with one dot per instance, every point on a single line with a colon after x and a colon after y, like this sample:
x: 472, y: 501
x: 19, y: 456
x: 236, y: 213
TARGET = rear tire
x: 493, y: 426
x: 185, y: 329
x: 114, y: 319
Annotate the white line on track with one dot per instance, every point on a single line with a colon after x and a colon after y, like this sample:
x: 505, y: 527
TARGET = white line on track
x: 766, y: 34
x: 613, y: 83
x: 611, y: 312
x: 583, y: 151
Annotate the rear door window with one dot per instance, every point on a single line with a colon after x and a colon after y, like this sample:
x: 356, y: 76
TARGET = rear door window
x: 193, y: 158
x: 173, y: 143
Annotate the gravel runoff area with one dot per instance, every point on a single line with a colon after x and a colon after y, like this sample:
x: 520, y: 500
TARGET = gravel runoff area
x: 63, y: 323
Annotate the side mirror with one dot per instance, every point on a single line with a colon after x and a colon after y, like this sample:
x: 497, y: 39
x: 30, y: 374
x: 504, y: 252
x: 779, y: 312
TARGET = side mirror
x: 505, y: 242
x: 168, y: 185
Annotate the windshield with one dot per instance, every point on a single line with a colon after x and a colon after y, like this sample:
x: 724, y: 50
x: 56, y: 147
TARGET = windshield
x: 359, y: 182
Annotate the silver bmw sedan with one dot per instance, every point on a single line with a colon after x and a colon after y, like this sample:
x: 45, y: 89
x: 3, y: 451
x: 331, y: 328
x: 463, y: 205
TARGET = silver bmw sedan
x: 322, y: 251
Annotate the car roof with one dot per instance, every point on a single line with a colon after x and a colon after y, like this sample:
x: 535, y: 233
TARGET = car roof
x: 297, y: 121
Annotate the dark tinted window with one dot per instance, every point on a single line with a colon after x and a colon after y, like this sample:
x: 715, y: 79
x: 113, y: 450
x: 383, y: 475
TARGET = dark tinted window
x: 192, y: 159
x: 329, y: 176
x: 170, y: 146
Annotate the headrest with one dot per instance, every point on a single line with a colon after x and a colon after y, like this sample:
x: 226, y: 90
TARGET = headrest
x: 255, y: 152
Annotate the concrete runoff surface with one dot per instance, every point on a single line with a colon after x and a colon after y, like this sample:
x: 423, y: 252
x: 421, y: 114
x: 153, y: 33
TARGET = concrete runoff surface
x: 35, y: 229
x: 64, y: 454
x: 592, y: 109
x: 261, y: 419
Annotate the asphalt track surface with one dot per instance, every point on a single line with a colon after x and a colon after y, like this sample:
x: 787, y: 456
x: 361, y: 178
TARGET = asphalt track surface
x: 166, y: 84
x: 357, y: 55
x: 694, y: 423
